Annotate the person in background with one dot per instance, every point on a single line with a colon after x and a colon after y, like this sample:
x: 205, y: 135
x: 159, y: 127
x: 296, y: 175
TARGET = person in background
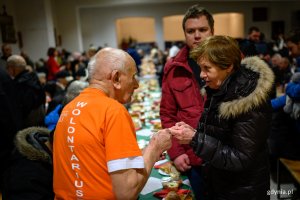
x: 6, y: 52
x: 258, y: 48
x: 293, y: 44
x: 52, y: 64
x: 29, y: 175
x: 10, y: 120
x: 284, y: 138
x: 63, y: 79
x: 77, y: 63
x: 91, y: 52
x: 292, y: 88
x: 173, y: 50
x: 181, y: 93
x: 27, y: 59
x: 96, y: 155
x: 81, y: 74
x: 279, y: 45
x: 232, y: 133
x: 42, y: 78
x: 252, y: 45
x: 132, y: 51
x: 254, y: 34
x: 40, y: 66
x: 284, y: 72
x: 72, y: 91
x: 30, y: 94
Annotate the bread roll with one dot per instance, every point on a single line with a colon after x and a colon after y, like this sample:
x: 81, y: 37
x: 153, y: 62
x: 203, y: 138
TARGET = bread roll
x: 172, y: 195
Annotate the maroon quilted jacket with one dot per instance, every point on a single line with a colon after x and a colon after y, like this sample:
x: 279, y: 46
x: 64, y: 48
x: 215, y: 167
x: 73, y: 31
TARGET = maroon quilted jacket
x: 181, y: 101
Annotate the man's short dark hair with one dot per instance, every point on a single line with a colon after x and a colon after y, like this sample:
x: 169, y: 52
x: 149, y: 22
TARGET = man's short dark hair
x: 51, y: 51
x: 294, y: 36
x: 253, y: 28
x: 196, y: 11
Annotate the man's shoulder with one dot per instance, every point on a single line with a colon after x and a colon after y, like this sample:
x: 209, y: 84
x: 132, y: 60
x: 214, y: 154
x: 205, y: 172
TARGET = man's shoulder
x: 175, y: 65
x: 96, y: 98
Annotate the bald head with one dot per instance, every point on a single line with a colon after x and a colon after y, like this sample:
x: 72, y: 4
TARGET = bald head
x: 106, y: 60
x: 15, y: 65
x: 113, y: 71
x: 16, y: 61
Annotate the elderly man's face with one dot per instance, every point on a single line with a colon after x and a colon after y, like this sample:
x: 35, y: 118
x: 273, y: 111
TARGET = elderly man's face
x: 10, y: 70
x: 128, y: 82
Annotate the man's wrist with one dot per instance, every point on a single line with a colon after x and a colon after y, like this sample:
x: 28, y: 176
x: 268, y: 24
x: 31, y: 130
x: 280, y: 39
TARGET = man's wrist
x: 154, y: 147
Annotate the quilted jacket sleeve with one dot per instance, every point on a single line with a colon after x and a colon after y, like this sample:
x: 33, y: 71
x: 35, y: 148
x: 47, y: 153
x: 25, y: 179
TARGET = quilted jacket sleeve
x: 248, y: 137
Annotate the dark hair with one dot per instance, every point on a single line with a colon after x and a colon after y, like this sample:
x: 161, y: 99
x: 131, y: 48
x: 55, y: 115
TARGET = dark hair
x: 253, y: 28
x: 294, y: 36
x: 51, y: 51
x: 4, y: 45
x: 196, y: 11
x: 248, y: 48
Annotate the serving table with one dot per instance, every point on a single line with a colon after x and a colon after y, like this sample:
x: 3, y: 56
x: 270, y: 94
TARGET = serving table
x: 144, y: 111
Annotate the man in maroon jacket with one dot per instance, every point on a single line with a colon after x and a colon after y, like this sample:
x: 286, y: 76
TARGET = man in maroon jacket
x: 181, y: 93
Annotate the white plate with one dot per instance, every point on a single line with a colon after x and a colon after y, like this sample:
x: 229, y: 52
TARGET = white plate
x: 154, y: 121
x: 161, y: 172
x: 161, y: 162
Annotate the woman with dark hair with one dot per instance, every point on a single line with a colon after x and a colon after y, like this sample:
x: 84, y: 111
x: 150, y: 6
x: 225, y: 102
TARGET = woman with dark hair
x: 52, y: 64
x: 232, y: 132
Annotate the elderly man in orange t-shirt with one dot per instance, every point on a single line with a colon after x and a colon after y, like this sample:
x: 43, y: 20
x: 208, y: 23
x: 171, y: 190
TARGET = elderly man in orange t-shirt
x: 96, y: 155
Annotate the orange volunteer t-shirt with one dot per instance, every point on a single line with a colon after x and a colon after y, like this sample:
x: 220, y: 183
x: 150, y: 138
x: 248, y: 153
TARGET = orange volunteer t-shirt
x: 93, y: 131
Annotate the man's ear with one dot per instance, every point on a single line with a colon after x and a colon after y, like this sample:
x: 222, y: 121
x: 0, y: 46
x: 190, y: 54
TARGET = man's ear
x: 115, y: 78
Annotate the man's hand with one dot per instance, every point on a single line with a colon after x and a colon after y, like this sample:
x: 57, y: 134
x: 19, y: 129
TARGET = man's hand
x: 182, y: 163
x: 162, y: 140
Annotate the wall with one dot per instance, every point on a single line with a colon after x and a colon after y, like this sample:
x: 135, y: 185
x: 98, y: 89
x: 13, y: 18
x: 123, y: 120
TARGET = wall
x: 10, y: 9
x: 103, y: 31
x: 172, y: 28
x: 81, y: 22
x: 140, y: 29
x: 33, y: 25
x: 231, y: 24
x: 34, y: 20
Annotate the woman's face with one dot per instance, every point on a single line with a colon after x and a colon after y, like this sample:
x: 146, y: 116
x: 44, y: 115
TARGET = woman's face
x: 212, y: 74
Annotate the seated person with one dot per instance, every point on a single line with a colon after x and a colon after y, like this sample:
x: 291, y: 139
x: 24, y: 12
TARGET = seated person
x: 73, y: 90
x: 29, y: 175
x: 284, y: 138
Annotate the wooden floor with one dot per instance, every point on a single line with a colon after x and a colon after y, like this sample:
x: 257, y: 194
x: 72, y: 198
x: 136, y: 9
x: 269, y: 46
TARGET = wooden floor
x: 293, y: 166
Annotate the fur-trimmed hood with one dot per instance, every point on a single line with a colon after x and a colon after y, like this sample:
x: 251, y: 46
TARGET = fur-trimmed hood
x: 30, y: 142
x: 259, y: 95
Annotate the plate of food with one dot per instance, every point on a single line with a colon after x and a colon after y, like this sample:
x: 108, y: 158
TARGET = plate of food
x: 155, y: 121
x: 160, y: 162
x: 161, y: 172
x: 168, y: 169
x: 182, y: 195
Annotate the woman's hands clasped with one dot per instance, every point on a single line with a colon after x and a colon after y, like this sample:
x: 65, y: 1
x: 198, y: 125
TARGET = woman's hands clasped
x: 183, y: 132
